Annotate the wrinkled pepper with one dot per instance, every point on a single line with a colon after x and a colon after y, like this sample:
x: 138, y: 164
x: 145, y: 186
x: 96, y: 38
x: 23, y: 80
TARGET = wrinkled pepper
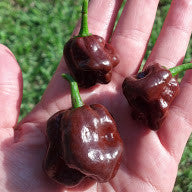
x: 83, y: 141
x: 89, y: 58
x: 151, y: 92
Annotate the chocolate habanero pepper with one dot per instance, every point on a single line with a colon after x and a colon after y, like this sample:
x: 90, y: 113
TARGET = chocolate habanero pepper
x: 89, y: 58
x: 151, y: 92
x: 83, y: 142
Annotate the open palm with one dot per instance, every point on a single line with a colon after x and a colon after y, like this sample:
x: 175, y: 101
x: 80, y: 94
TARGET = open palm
x: 150, y: 159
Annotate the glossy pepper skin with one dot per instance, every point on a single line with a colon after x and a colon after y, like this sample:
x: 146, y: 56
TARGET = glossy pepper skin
x: 90, y: 60
x: 150, y: 94
x: 83, y: 141
x: 53, y: 165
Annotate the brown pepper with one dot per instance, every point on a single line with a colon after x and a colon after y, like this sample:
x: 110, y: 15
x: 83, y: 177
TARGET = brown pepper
x: 89, y: 58
x: 83, y: 142
x: 150, y: 94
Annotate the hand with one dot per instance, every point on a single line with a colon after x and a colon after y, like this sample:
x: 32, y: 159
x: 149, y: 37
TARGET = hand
x: 150, y: 159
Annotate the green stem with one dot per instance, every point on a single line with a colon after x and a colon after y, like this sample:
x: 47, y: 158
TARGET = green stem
x: 175, y: 70
x: 84, y: 31
x: 75, y: 96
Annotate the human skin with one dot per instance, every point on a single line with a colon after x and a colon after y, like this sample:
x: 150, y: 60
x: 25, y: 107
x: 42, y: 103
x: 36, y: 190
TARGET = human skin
x: 150, y: 159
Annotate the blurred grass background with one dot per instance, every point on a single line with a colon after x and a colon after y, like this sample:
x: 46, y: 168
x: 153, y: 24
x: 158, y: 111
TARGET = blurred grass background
x: 36, y: 31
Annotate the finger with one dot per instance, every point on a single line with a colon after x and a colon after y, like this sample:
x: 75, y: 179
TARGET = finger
x: 173, y: 40
x: 169, y: 51
x: 178, y: 125
x: 10, y: 94
x: 10, y: 88
x: 101, y: 17
x: 132, y: 33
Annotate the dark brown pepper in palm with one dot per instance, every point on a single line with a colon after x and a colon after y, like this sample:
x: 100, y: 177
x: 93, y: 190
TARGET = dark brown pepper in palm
x: 83, y: 142
x: 90, y: 60
x: 150, y: 93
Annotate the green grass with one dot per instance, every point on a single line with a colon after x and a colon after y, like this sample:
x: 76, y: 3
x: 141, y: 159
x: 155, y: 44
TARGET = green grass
x: 36, y: 31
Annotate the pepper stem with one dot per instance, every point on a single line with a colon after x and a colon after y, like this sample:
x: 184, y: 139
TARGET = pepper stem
x: 75, y: 96
x: 175, y: 70
x: 84, y: 31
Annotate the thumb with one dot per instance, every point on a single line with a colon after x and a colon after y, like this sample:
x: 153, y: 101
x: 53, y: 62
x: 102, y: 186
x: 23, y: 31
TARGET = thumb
x: 10, y: 88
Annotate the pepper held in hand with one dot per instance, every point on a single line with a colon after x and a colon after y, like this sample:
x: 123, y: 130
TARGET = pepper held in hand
x: 89, y: 59
x: 150, y: 94
x: 83, y: 142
